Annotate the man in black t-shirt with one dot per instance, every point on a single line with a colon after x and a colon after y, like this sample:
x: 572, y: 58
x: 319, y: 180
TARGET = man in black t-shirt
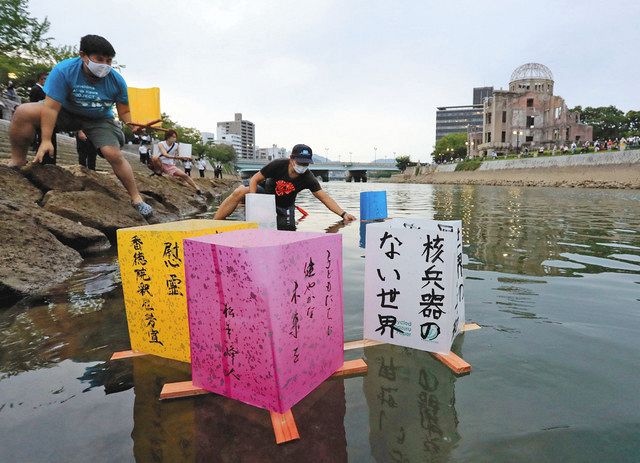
x: 285, y: 178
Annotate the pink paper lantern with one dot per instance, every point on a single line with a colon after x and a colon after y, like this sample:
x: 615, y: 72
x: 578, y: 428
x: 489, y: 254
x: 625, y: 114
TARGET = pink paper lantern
x: 265, y: 314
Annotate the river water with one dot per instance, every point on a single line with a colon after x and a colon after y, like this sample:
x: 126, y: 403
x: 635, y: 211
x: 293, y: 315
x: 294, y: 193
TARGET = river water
x: 552, y: 277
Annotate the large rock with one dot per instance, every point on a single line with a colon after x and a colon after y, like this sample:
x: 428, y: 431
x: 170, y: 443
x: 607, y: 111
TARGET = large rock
x: 32, y: 259
x: 93, y: 209
x: 51, y: 177
x: 45, y: 234
x: 104, y: 182
x: 16, y: 188
x: 174, y: 194
x: 18, y: 193
x: 85, y: 240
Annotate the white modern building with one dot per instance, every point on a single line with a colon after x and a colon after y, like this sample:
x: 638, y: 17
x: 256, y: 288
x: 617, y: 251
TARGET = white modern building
x: 245, y: 130
x: 271, y: 153
x: 230, y: 139
x: 208, y: 138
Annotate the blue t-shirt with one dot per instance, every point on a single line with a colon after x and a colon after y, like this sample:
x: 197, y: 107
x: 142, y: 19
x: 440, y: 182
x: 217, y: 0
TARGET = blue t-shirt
x: 69, y: 86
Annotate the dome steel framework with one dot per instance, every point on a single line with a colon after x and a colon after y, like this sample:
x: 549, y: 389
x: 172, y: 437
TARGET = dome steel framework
x: 531, y: 71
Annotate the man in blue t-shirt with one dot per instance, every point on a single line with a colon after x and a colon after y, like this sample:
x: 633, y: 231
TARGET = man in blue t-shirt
x: 80, y: 94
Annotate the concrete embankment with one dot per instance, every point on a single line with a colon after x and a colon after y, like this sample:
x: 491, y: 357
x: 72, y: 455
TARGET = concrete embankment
x: 594, y: 170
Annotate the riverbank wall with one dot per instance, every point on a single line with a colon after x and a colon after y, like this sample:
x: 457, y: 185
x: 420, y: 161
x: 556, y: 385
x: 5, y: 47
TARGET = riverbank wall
x: 592, y: 170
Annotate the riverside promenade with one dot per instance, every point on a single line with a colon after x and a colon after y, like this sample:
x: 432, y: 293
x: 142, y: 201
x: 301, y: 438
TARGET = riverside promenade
x: 608, y: 169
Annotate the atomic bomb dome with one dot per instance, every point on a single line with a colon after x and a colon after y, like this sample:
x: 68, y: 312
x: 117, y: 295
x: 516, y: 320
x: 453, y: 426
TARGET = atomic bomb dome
x: 531, y: 71
x: 528, y: 116
x: 532, y: 77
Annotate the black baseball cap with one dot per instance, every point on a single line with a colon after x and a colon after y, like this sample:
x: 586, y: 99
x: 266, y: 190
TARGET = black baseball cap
x: 302, y: 153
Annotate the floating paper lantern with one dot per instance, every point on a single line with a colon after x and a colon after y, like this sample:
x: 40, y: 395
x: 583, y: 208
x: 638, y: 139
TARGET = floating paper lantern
x: 152, y: 269
x: 373, y: 205
x: 414, y: 288
x: 265, y: 314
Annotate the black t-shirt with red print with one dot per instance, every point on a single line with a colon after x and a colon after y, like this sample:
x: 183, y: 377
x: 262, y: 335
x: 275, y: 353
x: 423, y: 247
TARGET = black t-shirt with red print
x: 286, y: 188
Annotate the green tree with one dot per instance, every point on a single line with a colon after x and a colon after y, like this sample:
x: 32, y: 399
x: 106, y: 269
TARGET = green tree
x: 402, y: 162
x: 221, y: 153
x: 20, y: 34
x: 633, y: 121
x: 25, y: 48
x: 450, y: 147
x: 607, y: 121
x: 189, y: 135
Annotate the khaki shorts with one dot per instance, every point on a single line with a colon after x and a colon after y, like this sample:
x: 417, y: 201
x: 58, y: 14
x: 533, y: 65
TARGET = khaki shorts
x: 101, y: 132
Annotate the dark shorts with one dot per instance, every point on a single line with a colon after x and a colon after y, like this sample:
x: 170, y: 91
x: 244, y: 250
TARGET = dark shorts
x: 101, y: 132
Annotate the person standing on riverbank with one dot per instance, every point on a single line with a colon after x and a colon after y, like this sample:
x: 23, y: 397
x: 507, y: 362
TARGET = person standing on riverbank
x: 187, y: 166
x: 143, y: 152
x: 202, y: 165
x: 87, y: 153
x: 285, y: 178
x: 11, y: 93
x: 80, y: 93
x: 37, y: 91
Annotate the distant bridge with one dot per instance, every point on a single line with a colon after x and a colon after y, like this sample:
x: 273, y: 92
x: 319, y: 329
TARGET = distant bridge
x: 356, y: 171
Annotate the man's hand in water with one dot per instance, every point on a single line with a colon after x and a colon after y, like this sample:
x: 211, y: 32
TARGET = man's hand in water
x: 348, y: 218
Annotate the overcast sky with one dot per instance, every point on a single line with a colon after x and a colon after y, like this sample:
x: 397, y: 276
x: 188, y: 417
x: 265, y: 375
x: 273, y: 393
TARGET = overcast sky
x: 353, y: 75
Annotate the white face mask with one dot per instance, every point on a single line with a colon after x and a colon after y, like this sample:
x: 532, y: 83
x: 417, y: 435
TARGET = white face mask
x: 300, y: 169
x: 98, y: 69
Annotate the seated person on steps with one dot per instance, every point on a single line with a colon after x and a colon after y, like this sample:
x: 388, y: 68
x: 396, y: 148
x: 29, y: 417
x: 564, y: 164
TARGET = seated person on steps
x: 169, y: 154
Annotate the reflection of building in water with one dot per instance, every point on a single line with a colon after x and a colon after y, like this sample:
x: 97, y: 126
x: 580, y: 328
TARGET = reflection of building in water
x: 215, y: 428
x: 411, y: 399
x: 230, y: 431
x: 515, y: 229
x: 527, y: 115
x: 507, y: 229
x: 63, y: 326
x: 161, y: 431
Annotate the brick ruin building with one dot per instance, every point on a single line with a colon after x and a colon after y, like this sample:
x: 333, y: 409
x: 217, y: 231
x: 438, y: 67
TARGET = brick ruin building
x: 528, y: 115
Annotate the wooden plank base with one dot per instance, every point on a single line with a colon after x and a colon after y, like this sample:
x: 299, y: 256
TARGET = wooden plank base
x: 454, y: 362
x: 370, y: 342
x: 361, y: 344
x: 284, y: 427
x: 187, y: 389
x: 181, y: 389
x: 127, y: 354
x: 350, y: 368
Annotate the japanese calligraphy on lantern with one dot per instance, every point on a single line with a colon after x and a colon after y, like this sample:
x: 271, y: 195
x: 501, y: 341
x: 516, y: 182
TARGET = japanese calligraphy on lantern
x: 414, y: 293
x: 152, y: 269
x: 265, y: 313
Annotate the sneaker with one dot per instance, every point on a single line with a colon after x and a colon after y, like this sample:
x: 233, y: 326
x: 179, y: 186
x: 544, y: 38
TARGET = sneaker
x: 144, y: 209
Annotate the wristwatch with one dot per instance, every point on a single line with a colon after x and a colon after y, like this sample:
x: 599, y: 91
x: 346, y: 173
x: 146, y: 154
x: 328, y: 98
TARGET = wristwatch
x: 343, y: 214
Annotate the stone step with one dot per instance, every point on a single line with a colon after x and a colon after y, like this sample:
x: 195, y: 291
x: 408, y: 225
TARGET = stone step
x: 67, y: 154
